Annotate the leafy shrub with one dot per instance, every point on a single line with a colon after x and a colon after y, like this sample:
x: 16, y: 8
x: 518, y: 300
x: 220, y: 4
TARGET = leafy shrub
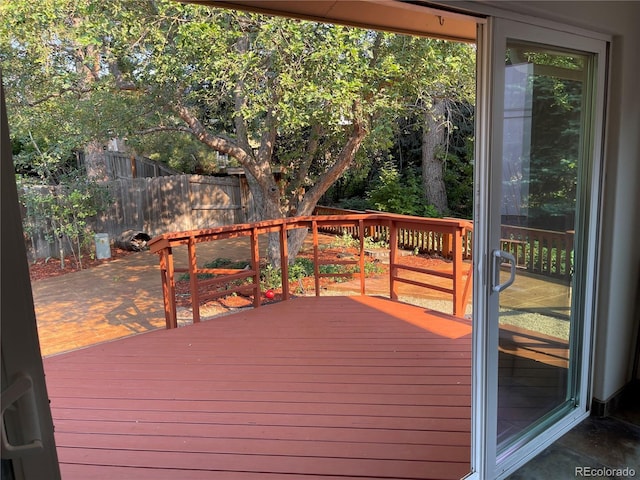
x: 401, y: 194
x: 355, y: 203
x: 302, y: 267
x: 66, y: 210
x: 271, y: 277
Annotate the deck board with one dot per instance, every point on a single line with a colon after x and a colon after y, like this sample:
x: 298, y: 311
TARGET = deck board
x: 331, y: 387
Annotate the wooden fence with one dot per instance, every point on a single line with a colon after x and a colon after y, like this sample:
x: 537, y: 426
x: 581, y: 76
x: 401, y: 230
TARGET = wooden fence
x: 122, y: 165
x: 543, y: 252
x: 165, y: 204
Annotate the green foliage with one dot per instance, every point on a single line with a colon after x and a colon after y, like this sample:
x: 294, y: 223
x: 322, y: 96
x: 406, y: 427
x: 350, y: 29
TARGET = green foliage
x: 372, y: 244
x: 355, y: 203
x: 553, y: 169
x: 549, y: 174
x: 84, y: 70
x: 397, y: 194
x: 65, y: 210
x: 181, y: 153
x: 271, y: 277
x: 334, y: 269
x: 302, y: 267
x: 458, y: 173
x: 346, y: 240
x: 370, y: 268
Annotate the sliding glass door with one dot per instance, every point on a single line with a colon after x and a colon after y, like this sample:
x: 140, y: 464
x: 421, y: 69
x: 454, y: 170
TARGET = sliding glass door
x: 539, y: 237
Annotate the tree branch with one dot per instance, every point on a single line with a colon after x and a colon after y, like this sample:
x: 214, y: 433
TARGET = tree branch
x: 239, y: 101
x: 165, y: 128
x: 309, y: 154
x: 57, y: 95
x: 347, y: 154
x: 121, y: 82
x: 219, y: 143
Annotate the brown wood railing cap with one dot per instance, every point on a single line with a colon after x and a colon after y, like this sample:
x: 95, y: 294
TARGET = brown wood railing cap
x: 178, y: 238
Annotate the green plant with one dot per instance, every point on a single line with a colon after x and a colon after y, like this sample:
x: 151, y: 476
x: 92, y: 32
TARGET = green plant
x: 355, y: 203
x: 302, y: 267
x: 345, y: 241
x: 64, y: 211
x: 335, y: 269
x: 270, y: 277
x: 373, y: 268
x: 371, y: 243
x: 400, y: 193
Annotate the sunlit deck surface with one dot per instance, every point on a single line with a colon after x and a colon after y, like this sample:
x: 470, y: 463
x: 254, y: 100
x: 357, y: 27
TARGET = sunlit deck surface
x: 316, y: 387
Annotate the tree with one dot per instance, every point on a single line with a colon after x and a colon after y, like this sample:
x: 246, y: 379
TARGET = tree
x: 294, y: 103
x: 395, y: 194
x: 440, y: 75
x: 64, y: 209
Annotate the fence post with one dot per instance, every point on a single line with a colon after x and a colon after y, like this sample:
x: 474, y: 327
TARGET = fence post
x: 168, y: 287
x: 458, y: 294
x: 193, y: 280
x: 361, y: 261
x: 255, y: 265
x: 134, y: 172
x: 316, y: 267
x: 393, y: 251
x: 284, y: 260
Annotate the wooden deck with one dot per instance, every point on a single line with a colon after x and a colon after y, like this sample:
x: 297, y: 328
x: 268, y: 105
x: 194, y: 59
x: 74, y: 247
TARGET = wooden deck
x: 316, y: 387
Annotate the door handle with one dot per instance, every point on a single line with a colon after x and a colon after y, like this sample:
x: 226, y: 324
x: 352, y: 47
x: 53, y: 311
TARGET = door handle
x: 498, y: 255
x: 21, y: 391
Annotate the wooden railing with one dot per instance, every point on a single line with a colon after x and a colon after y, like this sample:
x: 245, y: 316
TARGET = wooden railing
x: 226, y: 280
x: 542, y: 252
x: 421, y: 240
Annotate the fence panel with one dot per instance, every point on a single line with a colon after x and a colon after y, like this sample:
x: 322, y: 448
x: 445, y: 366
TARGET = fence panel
x: 157, y: 205
x: 215, y: 201
x: 121, y: 165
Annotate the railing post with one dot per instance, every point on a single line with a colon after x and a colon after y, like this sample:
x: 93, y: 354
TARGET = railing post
x: 168, y: 288
x: 393, y: 251
x: 193, y: 280
x: 361, y: 262
x: 255, y: 265
x: 458, y: 294
x: 284, y: 260
x: 316, y: 268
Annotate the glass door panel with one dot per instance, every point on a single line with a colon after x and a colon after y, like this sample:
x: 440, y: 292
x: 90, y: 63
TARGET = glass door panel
x: 546, y: 98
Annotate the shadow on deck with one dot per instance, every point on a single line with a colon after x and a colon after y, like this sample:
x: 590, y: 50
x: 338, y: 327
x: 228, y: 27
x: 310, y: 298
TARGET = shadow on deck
x: 331, y: 387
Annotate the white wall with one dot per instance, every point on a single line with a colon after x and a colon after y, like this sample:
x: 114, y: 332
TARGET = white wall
x: 620, y: 256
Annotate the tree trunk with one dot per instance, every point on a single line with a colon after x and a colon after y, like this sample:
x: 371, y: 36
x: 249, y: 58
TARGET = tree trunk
x: 268, y: 208
x: 94, y: 161
x: 432, y: 167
